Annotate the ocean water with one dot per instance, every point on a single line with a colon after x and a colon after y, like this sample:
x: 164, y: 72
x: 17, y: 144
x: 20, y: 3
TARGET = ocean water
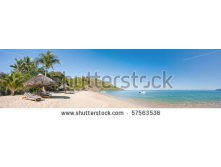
x: 209, y: 97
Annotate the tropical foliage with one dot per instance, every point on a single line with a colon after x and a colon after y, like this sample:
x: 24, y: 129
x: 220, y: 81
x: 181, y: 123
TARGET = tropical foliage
x: 58, y: 77
x: 47, y: 60
x: 13, y: 82
x: 3, y: 86
x: 86, y: 83
x: 26, y: 68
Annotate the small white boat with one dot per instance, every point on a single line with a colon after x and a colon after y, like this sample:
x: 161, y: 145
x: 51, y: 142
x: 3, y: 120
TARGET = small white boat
x: 142, y: 92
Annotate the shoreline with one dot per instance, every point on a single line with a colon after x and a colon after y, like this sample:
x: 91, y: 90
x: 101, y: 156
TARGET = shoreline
x: 150, y: 104
x: 161, y: 104
x: 89, y: 99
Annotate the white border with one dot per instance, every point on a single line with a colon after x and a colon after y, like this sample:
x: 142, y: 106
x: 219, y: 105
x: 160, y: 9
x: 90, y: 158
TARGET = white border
x: 41, y: 137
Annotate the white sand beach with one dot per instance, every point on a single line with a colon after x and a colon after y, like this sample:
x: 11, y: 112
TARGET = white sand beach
x: 82, y: 99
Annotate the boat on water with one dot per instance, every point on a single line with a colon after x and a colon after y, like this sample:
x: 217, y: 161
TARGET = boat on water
x: 142, y: 92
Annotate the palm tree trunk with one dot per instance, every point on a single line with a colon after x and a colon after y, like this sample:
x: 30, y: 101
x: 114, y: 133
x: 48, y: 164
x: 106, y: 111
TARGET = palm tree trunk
x: 12, y: 92
x: 43, y: 89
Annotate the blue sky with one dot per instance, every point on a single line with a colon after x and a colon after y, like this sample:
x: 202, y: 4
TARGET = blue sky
x: 191, y: 69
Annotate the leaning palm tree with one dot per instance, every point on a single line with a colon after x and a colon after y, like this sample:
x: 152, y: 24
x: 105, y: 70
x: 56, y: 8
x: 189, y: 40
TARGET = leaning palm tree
x: 48, y: 60
x: 13, y: 82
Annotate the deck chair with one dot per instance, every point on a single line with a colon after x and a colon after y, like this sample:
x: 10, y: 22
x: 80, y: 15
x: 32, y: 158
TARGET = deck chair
x: 32, y: 97
x: 70, y: 92
x: 46, y: 95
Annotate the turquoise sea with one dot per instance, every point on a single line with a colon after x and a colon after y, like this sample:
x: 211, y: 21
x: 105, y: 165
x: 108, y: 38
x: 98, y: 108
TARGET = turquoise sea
x: 212, y: 98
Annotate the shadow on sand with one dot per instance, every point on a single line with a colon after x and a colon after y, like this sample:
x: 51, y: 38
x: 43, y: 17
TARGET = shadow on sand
x: 60, y: 97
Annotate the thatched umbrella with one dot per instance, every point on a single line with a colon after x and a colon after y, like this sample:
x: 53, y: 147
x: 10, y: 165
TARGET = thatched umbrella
x: 39, y: 81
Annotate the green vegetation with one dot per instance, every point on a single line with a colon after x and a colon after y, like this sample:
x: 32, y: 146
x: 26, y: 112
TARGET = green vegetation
x: 48, y: 60
x: 85, y: 83
x: 26, y: 68
x: 3, y: 84
x: 13, y: 82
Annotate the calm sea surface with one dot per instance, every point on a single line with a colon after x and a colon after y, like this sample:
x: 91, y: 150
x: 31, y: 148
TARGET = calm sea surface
x: 171, y: 96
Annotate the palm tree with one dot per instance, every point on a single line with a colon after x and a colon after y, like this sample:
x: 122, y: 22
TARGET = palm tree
x: 18, y: 66
x: 26, y: 66
x: 1, y: 84
x: 48, y: 60
x: 13, y: 82
x: 3, y: 78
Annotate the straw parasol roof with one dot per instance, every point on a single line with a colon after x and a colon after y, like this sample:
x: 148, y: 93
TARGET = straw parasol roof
x: 39, y: 81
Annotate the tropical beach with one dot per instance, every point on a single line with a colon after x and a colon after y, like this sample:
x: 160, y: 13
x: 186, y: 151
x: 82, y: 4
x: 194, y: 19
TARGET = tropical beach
x: 90, y: 99
x: 31, y: 86
x: 54, y: 79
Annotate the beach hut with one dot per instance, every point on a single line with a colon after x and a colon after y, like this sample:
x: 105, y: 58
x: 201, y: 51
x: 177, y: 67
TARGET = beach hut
x: 40, y: 81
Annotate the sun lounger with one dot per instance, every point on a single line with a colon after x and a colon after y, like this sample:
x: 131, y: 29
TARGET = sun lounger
x: 32, y: 97
x: 46, y: 95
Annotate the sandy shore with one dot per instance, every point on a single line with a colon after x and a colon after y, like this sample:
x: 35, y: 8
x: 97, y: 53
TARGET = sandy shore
x: 88, y: 99
x: 82, y: 99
